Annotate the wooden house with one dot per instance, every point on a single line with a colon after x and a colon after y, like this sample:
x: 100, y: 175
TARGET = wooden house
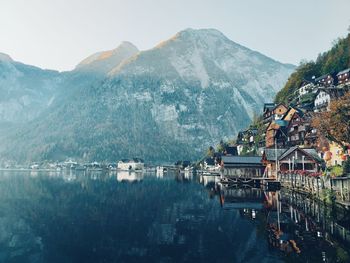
x: 275, y: 113
x: 242, y: 166
x: 276, y: 132
x: 299, y: 125
x: 344, y: 77
x: 325, y: 81
x: 296, y: 158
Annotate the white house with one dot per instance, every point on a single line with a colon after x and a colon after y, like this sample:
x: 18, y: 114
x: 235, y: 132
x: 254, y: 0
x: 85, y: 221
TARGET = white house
x: 133, y: 164
x: 305, y: 88
x: 322, y: 101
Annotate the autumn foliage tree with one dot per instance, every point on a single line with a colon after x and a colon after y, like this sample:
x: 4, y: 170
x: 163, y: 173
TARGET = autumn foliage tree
x: 335, y: 123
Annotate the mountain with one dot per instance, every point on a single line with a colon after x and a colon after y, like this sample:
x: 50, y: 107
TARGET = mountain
x: 105, y: 61
x: 167, y: 103
x: 25, y: 90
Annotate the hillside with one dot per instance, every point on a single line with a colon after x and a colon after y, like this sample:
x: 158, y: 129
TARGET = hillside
x: 330, y: 62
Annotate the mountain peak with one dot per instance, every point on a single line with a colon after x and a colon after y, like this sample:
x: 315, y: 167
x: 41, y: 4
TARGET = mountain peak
x: 5, y: 57
x: 104, y: 61
x: 202, y: 31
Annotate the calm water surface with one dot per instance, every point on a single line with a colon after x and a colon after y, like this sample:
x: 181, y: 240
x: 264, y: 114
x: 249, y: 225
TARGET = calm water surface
x: 122, y: 217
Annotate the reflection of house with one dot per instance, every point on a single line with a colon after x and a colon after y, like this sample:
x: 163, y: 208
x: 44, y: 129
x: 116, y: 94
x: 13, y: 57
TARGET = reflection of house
x: 341, y: 186
x: 242, y: 166
x: 242, y: 198
x: 129, y: 176
x: 296, y: 158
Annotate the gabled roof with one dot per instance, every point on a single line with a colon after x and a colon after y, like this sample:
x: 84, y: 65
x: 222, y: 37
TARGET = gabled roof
x: 344, y: 71
x: 322, y: 77
x: 313, y: 153
x: 241, y: 159
x: 305, y: 82
x: 269, y: 106
x: 270, y: 153
x: 310, y: 152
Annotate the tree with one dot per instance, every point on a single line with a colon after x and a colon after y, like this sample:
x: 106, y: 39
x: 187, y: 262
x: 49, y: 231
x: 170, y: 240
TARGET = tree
x: 211, y: 151
x: 335, y: 123
x: 221, y: 147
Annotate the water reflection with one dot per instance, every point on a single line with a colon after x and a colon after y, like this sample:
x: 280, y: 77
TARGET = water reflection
x: 145, y: 217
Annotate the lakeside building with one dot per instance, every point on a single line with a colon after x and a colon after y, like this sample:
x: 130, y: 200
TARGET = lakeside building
x: 131, y: 164
x: 242, y: 166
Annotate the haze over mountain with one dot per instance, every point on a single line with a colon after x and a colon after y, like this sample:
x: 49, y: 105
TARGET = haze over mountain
x: 163, y: 104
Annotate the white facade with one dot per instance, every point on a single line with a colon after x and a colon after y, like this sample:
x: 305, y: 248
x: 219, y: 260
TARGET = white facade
x: 323, y: 98
x: 306, y: 89
x: 130, y: 165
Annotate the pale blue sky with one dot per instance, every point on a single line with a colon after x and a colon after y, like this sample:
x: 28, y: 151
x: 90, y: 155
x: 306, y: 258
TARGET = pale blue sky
x: 57, y: 34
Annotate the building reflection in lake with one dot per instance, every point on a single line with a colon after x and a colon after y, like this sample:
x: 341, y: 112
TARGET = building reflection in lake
x: 300, y: 227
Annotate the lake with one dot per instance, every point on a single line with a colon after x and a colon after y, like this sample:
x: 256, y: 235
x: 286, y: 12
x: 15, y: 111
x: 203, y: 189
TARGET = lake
x: 149, y: 217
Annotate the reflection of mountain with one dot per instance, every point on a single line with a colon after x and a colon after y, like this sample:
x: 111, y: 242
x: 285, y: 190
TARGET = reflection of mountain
x: 105, y: 220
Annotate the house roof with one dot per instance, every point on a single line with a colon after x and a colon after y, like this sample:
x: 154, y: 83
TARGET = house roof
x: 289, y: 151
x: 241, y: 159
x: 269, y: 106
x: 322, y: 77
x: 310, y: 152
x: 344, y: 71
x: 305, y: 82
x: 313, y: 153
x: 270, y: 153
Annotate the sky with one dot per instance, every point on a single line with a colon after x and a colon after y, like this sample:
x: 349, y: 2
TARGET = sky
x: 58, y: 34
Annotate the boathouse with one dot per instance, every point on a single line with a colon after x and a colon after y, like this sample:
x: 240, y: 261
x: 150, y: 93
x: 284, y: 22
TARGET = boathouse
x: 242, y: 166
x: 296, y: 158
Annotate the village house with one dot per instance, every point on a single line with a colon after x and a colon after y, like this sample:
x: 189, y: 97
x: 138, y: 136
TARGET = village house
x: 325, y: 81
x: 298, y: 127
x: 334, y: 155
x: 311, y: 136
x: 305, y: 88
x: 242, y: 166
x: 325, y: 96
x: 246, y: 139
x: 276, y: 132
x: 296, y: 158
x: 273, y: 113
x: 344, y: 77
x: 269, y: 158
x: 209, y: 163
